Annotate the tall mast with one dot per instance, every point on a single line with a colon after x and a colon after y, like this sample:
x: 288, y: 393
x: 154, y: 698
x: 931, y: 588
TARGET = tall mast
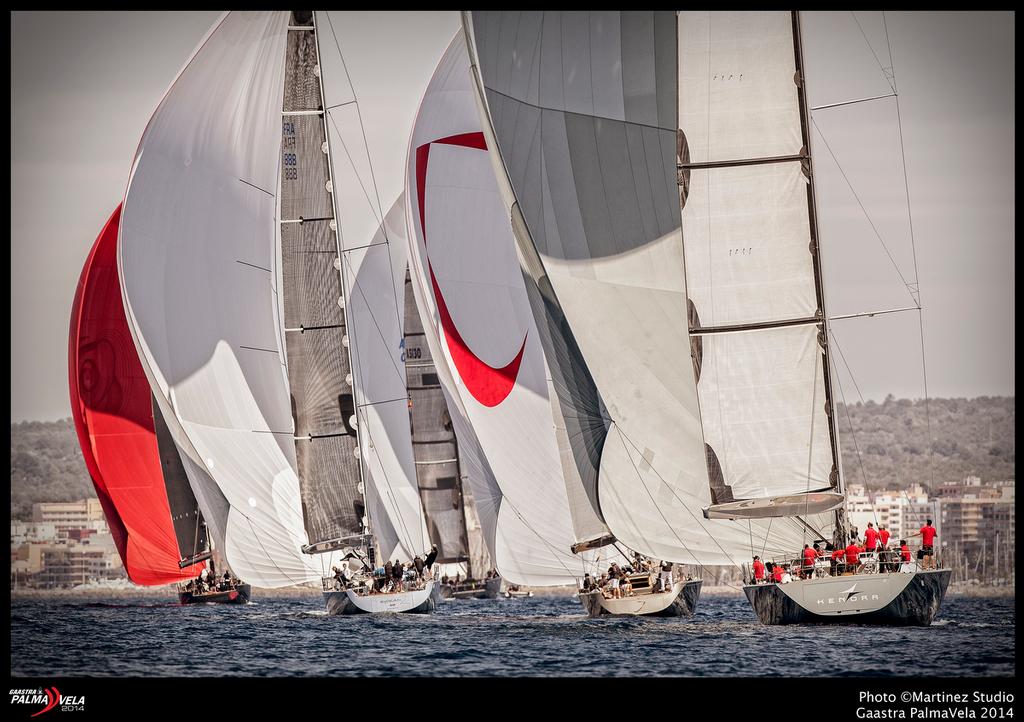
x: 840, y: 513
x: 335, y: 224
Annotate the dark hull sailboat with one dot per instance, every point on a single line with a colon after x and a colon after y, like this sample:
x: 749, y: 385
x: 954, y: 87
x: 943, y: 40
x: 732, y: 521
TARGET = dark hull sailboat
x: 235, y: 595
x: 893, y: 598
x: 472, y: 589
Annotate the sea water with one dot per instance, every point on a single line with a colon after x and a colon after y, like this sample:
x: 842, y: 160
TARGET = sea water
x: 542, y: 636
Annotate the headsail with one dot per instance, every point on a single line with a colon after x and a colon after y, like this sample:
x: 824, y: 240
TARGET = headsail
x: 198, y: 273
x: 464, y: 258
x: 152, y: 514
x: 583, y: 108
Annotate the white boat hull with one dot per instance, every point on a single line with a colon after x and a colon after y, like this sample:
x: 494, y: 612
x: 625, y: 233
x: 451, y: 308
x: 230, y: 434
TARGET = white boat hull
x: 680, y: 601
x: 420, y: 601
x: 893, y: 598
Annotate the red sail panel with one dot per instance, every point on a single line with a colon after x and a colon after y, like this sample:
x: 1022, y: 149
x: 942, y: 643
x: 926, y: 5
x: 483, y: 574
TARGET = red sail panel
x: 112, y: 406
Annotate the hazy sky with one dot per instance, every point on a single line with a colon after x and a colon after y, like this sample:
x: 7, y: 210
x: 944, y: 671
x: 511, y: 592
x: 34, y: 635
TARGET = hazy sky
x: 85, y: 84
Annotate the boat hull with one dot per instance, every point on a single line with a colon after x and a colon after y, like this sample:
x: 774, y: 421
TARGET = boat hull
x: 238, y: 595
x: 422, y: 601
x: 681, y: 601
x: 894, y: 598
x: 490, y: 590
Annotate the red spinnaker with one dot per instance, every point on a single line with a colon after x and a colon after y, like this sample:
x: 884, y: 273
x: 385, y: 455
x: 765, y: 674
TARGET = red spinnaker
x: 112, y: 406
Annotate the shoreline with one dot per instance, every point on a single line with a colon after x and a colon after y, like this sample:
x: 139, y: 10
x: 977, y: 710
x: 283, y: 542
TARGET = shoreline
x: 168, y: 591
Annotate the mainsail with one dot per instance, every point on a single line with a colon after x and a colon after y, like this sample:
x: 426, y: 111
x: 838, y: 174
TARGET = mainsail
x: 135, y: 468
x: 435, y: 447
x: 464, y: 258
x: 585, y: 110
x: 199, y: 281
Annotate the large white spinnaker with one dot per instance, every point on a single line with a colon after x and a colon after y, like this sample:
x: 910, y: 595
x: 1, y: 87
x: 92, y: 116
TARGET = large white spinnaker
x: 197, y: 261
x: 473, y: 293
x: 583, y: 108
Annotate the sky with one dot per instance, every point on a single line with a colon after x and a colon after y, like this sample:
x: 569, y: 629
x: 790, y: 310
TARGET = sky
x: 84, y: 85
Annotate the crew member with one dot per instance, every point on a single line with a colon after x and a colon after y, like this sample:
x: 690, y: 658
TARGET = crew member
x: 852, y: 555
x: 927, y: 534
x: 870, y: 538
x: 809, y: 556
x: 883, y: 536
x: 758, y: 566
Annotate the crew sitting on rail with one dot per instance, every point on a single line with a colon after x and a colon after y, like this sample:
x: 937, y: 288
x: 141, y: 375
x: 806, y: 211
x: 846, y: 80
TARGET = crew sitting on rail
x: 838, y: 554
x: 904, y: 551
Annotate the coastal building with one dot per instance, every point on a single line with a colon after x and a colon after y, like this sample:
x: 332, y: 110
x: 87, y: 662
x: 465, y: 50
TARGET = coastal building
x: 902, y: 511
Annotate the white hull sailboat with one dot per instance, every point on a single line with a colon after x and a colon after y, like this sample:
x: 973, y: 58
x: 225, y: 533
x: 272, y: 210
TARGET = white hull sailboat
x: 679, y: 601
x: 355, y: 601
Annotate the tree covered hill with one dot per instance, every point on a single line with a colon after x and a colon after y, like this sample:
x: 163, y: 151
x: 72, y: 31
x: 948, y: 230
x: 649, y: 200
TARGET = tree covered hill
x: 970, y: 436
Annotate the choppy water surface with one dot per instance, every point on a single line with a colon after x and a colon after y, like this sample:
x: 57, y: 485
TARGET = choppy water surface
x: 532, y: 637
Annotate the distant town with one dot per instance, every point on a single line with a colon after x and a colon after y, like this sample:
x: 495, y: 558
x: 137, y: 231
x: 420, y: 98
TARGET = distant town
x: 58, y: 542
x: 68, y: 544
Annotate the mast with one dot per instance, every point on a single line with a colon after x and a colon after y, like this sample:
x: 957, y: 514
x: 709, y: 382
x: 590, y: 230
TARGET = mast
x: 319, y: 364
x: 840, y: 512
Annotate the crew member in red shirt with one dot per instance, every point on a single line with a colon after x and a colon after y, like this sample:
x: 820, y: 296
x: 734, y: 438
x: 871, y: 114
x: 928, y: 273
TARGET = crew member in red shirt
x: 758, y: 570
x: 927, y: 534
x: 904, y: 550
x: 809, y: 557
x: 870, y: 538
x: 837, y: 558
x: 852, y: 555
x: 883, y: 536
x: 777, y: 573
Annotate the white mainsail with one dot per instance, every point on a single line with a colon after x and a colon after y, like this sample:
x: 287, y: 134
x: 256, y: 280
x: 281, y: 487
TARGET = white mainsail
x: 583, y: 108
x: 197, y: 256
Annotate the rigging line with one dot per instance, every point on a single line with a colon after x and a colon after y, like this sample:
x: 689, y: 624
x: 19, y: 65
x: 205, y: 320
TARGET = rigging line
x: 644, y: 485
x: 285, y: 574
x: 355, y: 172
x: 913, y: 249
x: 549, y: 545
x: 359, y: 112
x: 618, y: 428
x: 849, y: 420
x: 766, y: 533
x: 864, y: 210
x: 872, y: 49
x: 358, y: 287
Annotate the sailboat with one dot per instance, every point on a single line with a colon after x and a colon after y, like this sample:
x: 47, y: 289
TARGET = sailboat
x: 657, y: 174
x: 269, y: 329
x: 477, y: 311
x: 134, y: 465
x: 447, y: 503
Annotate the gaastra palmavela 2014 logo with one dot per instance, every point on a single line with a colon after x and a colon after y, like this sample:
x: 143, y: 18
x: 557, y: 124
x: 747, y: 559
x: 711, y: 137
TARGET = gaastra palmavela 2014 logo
x: 50, y: 699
